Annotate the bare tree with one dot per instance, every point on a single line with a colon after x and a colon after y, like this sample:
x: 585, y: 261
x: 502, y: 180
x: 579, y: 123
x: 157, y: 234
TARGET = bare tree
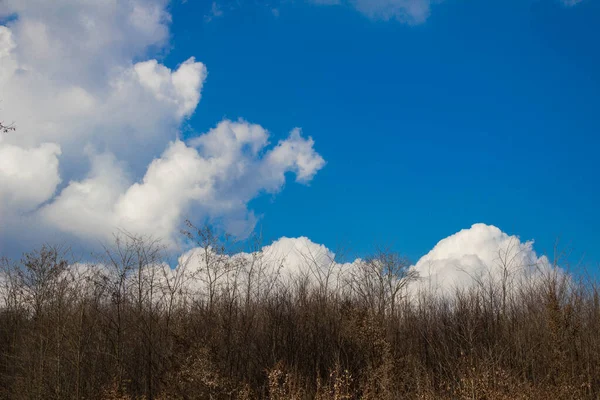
x: 124, y: 328
x: 379, y: 280
x: 214, y: 262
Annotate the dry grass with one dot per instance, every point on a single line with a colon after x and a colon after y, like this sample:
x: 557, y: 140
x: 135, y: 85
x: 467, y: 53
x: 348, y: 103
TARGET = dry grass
x: 128, y: 337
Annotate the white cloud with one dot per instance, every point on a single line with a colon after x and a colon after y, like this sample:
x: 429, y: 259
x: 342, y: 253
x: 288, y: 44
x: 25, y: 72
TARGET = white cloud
x: 84, y: 207
x: 408, y: 11
x: 80, y: 41
x: 27, y: 176
x: 68, y: 76
x: 571, y: 3
x: 295, y: 154
x: 482, y: 252
x: 456, y: 261
x: 98, y: 120
x: 277, y: 266
x: 411, y: 12
x: 301, y: 257
x: 215, y: 176
x: 180, y: 88
x: 215, y: 12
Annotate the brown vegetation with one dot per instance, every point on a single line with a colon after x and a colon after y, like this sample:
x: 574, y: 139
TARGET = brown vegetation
x: 130, y: 327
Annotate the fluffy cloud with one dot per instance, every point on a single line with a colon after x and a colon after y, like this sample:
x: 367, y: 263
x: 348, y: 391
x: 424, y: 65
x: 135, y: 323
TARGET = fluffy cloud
x: 278, y: 266
x: 98, y: 124
x: 300, y: 257
x: 27, y: 176
x: 482, y: 253
x: 479, y: 254
x: 80, y: 41
x: 215, y: 176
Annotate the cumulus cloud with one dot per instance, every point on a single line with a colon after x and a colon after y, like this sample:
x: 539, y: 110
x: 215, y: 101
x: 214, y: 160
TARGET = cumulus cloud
x: 458, y: 261
x: 27, y: 176
x: 480, y: 254
x: 98, y: 122
x: 277, y: 266
x: 301, y: 257
x: 215, y: 175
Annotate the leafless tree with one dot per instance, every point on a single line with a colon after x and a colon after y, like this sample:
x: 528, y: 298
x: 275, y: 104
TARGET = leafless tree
x: 124, y: 327
x: 380, y: 279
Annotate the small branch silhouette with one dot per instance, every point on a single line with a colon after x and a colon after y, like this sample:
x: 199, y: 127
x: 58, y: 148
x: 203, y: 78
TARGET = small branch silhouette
x: 6, y: 128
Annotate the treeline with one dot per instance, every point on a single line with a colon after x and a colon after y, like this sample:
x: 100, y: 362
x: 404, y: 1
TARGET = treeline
x: 219, y: 326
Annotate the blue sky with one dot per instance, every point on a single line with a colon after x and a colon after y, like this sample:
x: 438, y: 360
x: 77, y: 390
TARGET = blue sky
x: 486, y: 112
x: 426, y: 117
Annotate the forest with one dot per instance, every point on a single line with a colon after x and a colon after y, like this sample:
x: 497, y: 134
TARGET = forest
x: 221, y: 324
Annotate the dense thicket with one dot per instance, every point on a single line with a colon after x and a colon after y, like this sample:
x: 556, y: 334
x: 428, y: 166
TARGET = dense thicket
x: 131, y: 327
